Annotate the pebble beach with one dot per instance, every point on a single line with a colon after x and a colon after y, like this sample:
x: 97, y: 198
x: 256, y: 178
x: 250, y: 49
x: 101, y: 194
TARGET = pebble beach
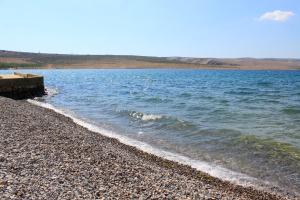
x: 45, y: 155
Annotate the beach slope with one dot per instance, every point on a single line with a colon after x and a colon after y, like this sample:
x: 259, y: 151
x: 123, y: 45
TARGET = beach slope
x: 44, y: 155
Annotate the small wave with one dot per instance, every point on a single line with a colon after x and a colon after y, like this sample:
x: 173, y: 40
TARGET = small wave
x: 144, y: 117
x: 140, y: 115
x: 176, y: 124
x: 151, y: 117
x: 51, y: 91
x: 162, y: 121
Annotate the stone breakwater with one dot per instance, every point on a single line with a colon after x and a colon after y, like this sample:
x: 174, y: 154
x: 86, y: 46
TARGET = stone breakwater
x: 44, y: 155
x: 21, y: 86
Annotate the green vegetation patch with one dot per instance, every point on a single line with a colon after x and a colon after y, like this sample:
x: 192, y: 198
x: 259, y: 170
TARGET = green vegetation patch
x: 18, y: 65
x: 274, y: 149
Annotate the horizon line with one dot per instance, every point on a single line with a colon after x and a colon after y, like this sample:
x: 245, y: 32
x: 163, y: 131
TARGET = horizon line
x: 138, y: 55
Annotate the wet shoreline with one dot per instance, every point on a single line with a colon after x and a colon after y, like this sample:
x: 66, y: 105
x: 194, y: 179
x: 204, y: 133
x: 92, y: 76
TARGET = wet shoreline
x: 46, y: 155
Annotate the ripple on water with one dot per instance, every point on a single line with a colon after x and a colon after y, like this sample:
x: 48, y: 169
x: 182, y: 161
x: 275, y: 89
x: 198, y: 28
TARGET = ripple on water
x: 291, y: 110
x: 185, y: 95
x: 241, y: 93
x: 264, y: 84
x: 157, y: 100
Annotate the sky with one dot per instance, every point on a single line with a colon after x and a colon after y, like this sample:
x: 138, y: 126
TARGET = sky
x: 188, y: 28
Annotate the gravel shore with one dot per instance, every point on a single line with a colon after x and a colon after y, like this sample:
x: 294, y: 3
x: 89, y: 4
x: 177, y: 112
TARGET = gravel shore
x: 44, y: 155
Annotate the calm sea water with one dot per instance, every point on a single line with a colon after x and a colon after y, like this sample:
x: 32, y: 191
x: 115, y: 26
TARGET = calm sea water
x: 246, y: 121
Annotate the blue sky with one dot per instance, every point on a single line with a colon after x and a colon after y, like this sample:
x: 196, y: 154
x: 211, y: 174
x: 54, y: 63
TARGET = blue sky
x: 194, y: 28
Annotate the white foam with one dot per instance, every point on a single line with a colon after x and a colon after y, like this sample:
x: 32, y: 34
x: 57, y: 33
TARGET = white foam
x: 151, y: 117
x: 51, y: 91
x: 211, y: 169
x: 140, y: 132
x: 142, y: 116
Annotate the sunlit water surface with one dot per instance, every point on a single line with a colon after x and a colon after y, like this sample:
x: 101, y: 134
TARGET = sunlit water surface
x: 246, y: 121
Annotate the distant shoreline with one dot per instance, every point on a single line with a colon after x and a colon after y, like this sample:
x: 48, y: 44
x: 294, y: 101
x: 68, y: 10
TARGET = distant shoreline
x: 25, y: 60
x: 157, y: 67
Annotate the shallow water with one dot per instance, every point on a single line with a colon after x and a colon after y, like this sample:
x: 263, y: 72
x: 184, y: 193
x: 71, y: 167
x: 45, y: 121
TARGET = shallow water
x: 246, y: 121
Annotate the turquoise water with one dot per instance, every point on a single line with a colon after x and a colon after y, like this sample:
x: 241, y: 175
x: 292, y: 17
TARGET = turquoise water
x: 245, y: 121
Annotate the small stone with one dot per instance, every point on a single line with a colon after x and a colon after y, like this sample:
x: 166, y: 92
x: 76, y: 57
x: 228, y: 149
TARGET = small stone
x: 2, y: 159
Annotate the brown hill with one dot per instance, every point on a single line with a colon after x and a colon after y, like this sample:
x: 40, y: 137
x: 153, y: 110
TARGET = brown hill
x: 13, y: 59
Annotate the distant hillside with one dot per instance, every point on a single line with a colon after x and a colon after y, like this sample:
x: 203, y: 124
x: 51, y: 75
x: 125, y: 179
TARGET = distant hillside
x: 12, y: 59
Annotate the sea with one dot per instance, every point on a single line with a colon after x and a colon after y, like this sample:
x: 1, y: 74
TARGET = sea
x: 241, y: 126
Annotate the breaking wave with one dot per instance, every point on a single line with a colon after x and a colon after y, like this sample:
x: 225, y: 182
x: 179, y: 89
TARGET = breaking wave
x: 51, y: 91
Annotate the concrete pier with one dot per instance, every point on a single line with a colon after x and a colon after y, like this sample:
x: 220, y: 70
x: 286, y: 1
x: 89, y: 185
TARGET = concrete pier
x: 21, y: 86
